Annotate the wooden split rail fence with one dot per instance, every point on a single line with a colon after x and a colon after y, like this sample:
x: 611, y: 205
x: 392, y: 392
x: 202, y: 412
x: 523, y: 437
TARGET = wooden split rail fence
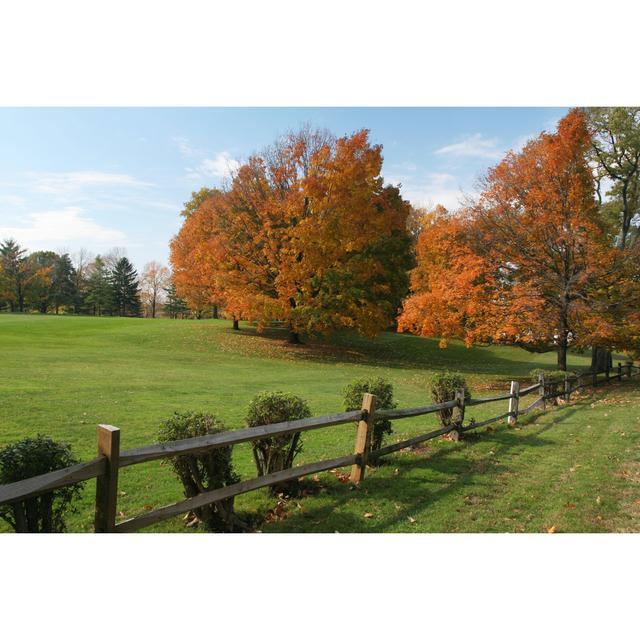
x: 110, y: 459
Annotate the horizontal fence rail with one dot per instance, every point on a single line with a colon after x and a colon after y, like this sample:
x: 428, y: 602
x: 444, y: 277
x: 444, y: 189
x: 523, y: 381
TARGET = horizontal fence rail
x: 398, y: 414
x: 50, y: 481
x: 205, y: 443
x: 106, y: 466
x: 236, y: 489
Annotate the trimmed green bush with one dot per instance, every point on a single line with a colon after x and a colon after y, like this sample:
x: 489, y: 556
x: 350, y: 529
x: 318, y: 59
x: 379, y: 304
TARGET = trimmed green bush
x: 33, y: 457
x: 443, y: 389
x: 549, y: 375
x: 276, y: 453
x: 203, y: 472
x: 383, y: 390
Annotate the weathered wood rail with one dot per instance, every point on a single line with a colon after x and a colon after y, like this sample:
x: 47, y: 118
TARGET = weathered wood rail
x: 110, y: 459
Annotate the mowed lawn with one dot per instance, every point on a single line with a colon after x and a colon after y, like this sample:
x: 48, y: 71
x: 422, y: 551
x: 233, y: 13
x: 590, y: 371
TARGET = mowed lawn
x: 573, y: 468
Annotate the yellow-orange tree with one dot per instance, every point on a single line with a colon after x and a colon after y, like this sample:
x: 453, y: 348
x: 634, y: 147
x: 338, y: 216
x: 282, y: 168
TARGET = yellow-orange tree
x: 531, y: 262
x: 306, y: 233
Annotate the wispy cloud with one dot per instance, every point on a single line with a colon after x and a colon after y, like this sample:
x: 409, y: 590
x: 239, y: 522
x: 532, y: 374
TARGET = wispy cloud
x: 12, y: 200
x: 429, y: 189
x: 521, y: 141
x: 475, y: 146
x: 221, y: 166
x: 184, y: 146
x: 63, y: 227
x: 70, y: 181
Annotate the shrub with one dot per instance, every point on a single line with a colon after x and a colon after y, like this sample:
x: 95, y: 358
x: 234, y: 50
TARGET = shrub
x: 276, y: 453
x: 552, y: 376
x: 443, y: 389
x: 383, y: 390
x: 203, y: 472
x: 32, y: 457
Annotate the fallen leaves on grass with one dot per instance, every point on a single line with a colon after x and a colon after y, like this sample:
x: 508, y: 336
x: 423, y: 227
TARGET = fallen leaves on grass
x: 278, y: 512
x: 551, y: 529
x: 368, y: 515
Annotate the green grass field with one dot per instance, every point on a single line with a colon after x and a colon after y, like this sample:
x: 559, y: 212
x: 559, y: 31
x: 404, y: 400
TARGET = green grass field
x: 574, y: 468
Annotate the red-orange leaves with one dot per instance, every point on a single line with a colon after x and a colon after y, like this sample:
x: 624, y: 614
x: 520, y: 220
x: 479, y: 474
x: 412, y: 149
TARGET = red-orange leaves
x: 529, y: 263
x: 307, y: 233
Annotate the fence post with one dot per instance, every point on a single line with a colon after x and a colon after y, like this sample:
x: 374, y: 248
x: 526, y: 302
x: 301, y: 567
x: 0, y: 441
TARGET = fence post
x: 620, y: 371
x: 107, y: 484
x: 514, y: 402
x: 594, y: 380
x: 457, y: 416
x: 363, y: 437
x: 606, y: 373
x: 541, y: 390
x: 567, y: 387
x: 629, y: 365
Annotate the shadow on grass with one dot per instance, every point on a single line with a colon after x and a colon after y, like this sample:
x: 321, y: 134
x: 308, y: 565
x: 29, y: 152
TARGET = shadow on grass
x: 397, y: 350
x: 421, y: 480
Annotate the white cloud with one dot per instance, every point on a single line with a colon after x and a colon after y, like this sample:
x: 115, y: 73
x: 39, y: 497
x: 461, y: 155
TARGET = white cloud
x: 66, y: 182
x: 12, y: 200
x: 221, y: 166
x: 431, y: 189
x: 520, y: 142
x: 475, y: 146
x: 68, y: 226
x: 184, y: 146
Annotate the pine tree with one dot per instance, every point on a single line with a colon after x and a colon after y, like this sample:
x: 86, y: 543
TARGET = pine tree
x: 99, y: 288
x: 63, y: 289
x: 125, y: 289
x: 174, y: 305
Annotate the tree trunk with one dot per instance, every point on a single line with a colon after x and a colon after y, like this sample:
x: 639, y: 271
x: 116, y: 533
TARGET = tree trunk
x: 562, y: 356
x: 236, y: 326
x: 563, y: 342
x: 214, y: 312
x: 601, y: 359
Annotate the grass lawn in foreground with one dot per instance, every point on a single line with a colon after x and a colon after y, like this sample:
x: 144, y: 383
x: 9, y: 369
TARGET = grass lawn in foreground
x: 62, y: 375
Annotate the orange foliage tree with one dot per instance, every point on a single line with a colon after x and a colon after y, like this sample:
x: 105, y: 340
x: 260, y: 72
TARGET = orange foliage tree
x: 531, y: 262
x: 307, y: 233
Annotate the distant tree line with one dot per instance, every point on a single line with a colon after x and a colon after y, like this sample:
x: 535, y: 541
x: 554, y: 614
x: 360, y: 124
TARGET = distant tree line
x: 109, y: 285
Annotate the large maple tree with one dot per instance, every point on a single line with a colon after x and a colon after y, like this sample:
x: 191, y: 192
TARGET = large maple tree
x: 531, y: 262
x: 306, y: 233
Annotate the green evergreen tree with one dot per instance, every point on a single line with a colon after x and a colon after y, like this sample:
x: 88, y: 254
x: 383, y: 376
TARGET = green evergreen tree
x: 63, y: 286
x: 174, y: 305
x: 124, y: 289
x: 99, y: 290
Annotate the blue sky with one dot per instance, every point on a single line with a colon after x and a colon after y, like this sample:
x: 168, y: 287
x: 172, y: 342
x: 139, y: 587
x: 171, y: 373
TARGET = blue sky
x: 90, y: 178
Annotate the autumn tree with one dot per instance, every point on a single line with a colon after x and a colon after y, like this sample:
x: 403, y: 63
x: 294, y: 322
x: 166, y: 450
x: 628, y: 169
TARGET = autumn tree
x: 155, y: 278
x: 197, y: 198
x: 195, y: 252
x: 537, y: 251
x: 39, y: 286
x: 307, y: 233
x: 452, y: 287
x: 15, y: 273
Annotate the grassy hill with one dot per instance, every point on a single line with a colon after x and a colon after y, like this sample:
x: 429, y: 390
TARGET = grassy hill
x: 61, y: 376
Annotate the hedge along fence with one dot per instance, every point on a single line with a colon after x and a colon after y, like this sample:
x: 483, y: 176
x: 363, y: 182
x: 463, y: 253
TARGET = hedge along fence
x: 110, y: 459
